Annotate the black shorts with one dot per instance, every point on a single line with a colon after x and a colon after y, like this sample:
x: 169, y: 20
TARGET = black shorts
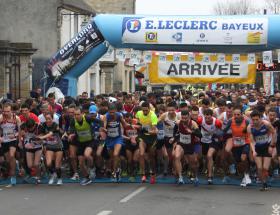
x: 150, y: 140
x: 55, y: 148
x: 238, y: 151
x: 278, y: 148
x: 65, y: 144
x: 128, y: 146
x: 82, y: 147
x: 215, y: 145
x: 33, y: 150
x: 262, y: 150
x: 6, y: 146
x: 167, y: 144
x: 160, y: 144
x: 189, y: 149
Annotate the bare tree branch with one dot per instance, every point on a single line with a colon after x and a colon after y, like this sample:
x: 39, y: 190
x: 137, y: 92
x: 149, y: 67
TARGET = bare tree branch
x: 273, y: 6
x: 237, y: 7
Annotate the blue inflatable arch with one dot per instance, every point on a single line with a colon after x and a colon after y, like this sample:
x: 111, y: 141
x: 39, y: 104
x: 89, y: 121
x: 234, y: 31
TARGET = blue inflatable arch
x: 209, y: 34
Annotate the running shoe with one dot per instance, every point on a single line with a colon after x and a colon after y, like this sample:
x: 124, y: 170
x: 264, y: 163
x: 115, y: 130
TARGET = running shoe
x: 118, y: 174
x: 37, y: 180
x: 75, y: 177
x: 181, y: 180
x: 246, y: 181
x: 52, y: 179
x: 86, y: 181
x: 59, y: 182
x: 13, y: 180
x: 143, y: 179
x: 264, y: 187
x: 210, y: 180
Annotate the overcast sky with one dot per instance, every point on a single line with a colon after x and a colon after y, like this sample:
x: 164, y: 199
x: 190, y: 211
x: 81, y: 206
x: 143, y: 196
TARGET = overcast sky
x: 179, y: 7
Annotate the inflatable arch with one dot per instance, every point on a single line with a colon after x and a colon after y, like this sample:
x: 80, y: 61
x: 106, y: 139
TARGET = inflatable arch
x: 209, y: 34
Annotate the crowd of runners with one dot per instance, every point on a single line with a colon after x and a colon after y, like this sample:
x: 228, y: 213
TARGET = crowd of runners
x: 187, y: 135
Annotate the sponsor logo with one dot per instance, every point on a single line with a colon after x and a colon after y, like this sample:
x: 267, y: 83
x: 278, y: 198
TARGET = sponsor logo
x: 178, y: 37
x: 151, y: 37
x: 202, y: 38
x: 133, y: 25
x: 202, y: 35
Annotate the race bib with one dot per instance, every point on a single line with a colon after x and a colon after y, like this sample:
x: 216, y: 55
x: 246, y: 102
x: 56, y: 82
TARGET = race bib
x: 239, y: 141
x: 206, y: 137
x: 131, y: 133
x: 160, y: 135
x: 263, y: 139
x: 168, y: 131
x: 84, y: 133
x: 113, y: 132
x: 185, y: 139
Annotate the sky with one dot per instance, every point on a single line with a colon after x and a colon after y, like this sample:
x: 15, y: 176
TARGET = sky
x: 180, y: 7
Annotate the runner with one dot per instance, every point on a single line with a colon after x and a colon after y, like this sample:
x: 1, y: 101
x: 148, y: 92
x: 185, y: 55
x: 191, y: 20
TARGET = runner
x: 131, y: 145
x: 184, y: 132
x: 10, y: 125
x: 114, y: 140
x: 169, y: 120
x: 238, y: 146
x: 33, y: 148
x: 147, y: 139
x: 263, y: 136
x: 50, y: 133
x: 81, y: 132
x: 210, y: 126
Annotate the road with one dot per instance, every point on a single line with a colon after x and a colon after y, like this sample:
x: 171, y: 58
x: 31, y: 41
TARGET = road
x: 136, y: 199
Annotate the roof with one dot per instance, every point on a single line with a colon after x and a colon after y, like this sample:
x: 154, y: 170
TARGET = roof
x: 79, y: 6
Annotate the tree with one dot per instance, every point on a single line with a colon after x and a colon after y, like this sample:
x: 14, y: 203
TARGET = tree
x: 273, y: 6
x: 237, y: 7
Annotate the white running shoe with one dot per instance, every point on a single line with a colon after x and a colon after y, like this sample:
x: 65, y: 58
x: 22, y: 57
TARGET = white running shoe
x: 75, y: 177
x: 52, y: 179
x: 59, y: 181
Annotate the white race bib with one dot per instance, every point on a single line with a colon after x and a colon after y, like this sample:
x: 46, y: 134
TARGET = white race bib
x: 185, y: 139
x: 160, y: 135
x: 113, y: 132
x: 239, y: 141
x: 263, y: 139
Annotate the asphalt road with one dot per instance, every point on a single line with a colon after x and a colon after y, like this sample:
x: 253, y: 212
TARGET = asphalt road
x: 136, y: 199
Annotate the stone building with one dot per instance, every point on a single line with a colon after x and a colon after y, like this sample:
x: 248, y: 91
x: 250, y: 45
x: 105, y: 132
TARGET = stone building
x: 44, y: 25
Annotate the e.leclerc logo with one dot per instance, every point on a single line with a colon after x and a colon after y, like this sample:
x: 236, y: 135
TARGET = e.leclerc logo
x: 133, y: 25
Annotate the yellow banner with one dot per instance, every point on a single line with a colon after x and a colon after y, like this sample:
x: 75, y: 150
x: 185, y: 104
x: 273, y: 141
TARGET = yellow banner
x: 201, y: 71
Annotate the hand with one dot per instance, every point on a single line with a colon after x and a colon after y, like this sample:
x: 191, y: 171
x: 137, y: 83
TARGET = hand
x: 171, y: 140
x: 71, y: 137
x: 254, y: 153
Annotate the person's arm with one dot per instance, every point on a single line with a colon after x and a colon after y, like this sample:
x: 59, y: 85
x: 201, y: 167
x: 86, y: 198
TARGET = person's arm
x: 195, y: 130
x: 19, y: 134
x: 228, y: 126
x: 154, y: 120
x: 43, y: 135
x: 252, y: 140
x: 272, y: 132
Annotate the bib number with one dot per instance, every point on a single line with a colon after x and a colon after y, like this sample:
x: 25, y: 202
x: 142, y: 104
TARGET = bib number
x: 185, y: 139
x: 113, y: 132
x: 239, y: 141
